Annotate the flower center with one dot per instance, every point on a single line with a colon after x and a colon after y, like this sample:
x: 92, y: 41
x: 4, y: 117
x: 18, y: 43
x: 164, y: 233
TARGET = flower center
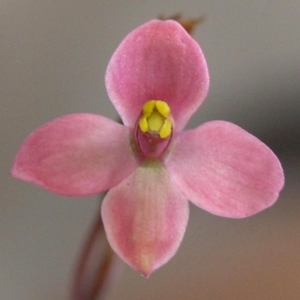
x: 155, y: 118
x: 154, y: 128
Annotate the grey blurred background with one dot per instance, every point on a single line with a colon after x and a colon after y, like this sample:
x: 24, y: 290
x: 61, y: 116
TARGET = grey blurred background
x: 53, y: 56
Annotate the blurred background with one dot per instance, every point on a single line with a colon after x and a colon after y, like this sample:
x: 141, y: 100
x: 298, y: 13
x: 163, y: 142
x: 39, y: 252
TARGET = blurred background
x: 53, y: 56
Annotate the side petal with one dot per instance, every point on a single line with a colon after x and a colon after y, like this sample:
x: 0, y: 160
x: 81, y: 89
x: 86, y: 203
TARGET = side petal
x: 76, y: 155
x: 225, y: 170
x: 157, y: 61
x: 145, y: 218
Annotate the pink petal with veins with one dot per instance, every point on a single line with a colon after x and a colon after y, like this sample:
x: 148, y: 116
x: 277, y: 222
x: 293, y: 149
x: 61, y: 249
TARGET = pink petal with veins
x: 225, y: 170
x: 157, y: 61
x: 76, y: 155
x: 145, y: 217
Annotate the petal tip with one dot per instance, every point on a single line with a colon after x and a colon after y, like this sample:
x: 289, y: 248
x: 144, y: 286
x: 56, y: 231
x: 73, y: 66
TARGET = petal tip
x: 146, y: 267
x: 17, y: 171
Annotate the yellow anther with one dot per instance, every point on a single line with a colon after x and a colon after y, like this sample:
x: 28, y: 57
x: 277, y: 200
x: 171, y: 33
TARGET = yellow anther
x: 166, y: 129
x: 163, y: 108
x: 148, y: 108
x: 155, y: 118
x: 143, y: 124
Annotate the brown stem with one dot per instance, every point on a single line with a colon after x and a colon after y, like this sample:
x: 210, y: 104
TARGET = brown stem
x: 189, y: 24
x: 95, y: 265
x: 103, y: 272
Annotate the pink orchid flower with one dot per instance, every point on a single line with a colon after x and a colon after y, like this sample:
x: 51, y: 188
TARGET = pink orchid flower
x: 156, y: 79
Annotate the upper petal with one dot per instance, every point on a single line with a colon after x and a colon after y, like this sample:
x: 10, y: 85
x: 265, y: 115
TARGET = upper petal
x: 157, y: 61
x: 145, y: 217
x: 76, y: 155
x: 225, y: 170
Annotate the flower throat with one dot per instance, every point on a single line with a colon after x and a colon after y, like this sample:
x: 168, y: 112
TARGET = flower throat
x: 154, y: 128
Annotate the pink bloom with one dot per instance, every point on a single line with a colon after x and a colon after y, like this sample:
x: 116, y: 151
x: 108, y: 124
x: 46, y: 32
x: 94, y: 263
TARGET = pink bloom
x: 156, y: 79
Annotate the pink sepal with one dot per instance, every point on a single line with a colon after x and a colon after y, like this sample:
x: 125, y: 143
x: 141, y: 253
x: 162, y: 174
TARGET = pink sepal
x: 225, y: 170
x: 145, y: 217
x: 76, y: 155
x: 157, y: 61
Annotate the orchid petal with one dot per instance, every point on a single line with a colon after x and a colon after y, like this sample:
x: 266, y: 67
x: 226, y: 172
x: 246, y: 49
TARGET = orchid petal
x: 76, y: 155
x: 145, y: 217
x: 225, y: 170
x: 157, y: 61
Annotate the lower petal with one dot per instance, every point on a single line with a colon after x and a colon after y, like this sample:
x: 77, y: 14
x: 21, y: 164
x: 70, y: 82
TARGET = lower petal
x: 76, y: 155
x: 225, y: 170
x: 145, y: 217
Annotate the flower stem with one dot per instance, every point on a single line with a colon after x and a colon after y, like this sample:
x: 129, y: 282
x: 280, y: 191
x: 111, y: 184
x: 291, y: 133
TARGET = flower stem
x: 96, y: 264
